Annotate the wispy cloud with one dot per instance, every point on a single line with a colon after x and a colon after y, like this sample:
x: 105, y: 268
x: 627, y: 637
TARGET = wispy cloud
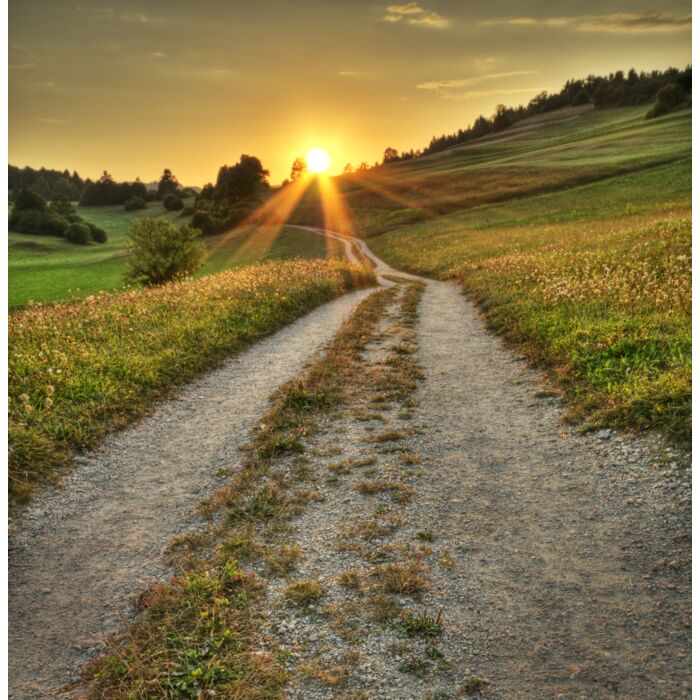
x: 411, y: 8
x: 413, y: 13
x: 444, y: 85
x: 615, y: 23
x: 51, y: 120
x: 472, y: 94
x: 111, y: 14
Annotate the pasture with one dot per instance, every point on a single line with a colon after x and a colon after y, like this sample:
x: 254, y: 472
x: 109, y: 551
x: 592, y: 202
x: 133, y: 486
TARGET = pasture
x: 46, y: 269
x: 592, y: 281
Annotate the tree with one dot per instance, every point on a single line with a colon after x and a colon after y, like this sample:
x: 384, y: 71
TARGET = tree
x: 348, y: 169
x: 298, y: 169
x: 167, y: 184
x: 134, y: 203
x: 245, y: 180
x: 667, y: 98
x: 41, y: 187
x: 63, y: 188
x: 391, y: 155
x: 362, y: 167
x: 78, y: 233
x: 172, y: 202
x: 160, y: 252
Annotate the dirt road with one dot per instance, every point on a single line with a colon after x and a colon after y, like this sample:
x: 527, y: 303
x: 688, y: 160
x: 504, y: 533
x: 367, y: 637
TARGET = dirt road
x: 560, y: 561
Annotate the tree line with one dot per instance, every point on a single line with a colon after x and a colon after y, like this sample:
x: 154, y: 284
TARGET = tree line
x: 668, y: 90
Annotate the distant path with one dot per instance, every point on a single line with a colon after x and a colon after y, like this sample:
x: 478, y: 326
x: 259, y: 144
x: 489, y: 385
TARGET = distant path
x: 79, y: 554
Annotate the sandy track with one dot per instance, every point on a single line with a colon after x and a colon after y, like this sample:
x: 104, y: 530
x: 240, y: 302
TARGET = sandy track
x: 78, y: 555
x: 572, y: 553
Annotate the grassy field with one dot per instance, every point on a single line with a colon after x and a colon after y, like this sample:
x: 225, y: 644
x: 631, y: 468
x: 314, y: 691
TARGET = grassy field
x: 79, y: 369
x: 46, y: 269
x: 591, y: 280
x: 548, y: 153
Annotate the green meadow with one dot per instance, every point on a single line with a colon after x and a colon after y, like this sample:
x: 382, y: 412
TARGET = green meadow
x: 46, y: 269
x: 590, y: 274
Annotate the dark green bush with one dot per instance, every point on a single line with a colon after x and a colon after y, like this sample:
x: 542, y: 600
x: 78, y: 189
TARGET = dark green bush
x: 78, y: 233
x: 187, y: 211
x: 28, y: 199
x: 668, y: 97
x: 54, y: 224
x: 97, y: 234
x: 172, y: 202
x: 27, y: 221
x: 134, y: 203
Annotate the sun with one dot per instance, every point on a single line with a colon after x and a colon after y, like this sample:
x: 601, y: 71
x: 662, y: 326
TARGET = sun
x: 317, y: 160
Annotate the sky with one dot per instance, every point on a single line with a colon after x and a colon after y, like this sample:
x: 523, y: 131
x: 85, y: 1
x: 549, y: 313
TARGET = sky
x: 134, y: 86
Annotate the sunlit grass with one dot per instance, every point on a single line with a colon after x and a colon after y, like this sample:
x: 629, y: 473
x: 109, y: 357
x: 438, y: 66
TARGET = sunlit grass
x: 78, y: 369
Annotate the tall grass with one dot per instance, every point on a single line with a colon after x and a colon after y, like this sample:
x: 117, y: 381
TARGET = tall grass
x: 79, y: 369
x: 604, y: 304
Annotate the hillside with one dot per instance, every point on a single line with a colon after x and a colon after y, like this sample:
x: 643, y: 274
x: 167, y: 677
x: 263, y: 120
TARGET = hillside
x: 553, y: 151
x: 572, y: 231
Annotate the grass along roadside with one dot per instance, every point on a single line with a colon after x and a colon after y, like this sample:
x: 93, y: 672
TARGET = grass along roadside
x: 80, y: 369
x: 599, y: 296
x: 46, y: 269
x: 201, y: 631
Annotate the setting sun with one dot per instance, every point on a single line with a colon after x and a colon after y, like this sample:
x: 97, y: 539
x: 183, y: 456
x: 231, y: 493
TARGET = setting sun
x: 317, y: 160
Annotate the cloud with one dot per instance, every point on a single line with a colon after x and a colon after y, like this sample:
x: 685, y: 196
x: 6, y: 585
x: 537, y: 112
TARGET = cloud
x: 472, y: 94
x: 615, y: 23
x: 411, y: 8
x: 51, y: 120
x: 111, y: 14
x: 430, y: 20
x: 157, y: 54
x: 413, y: 13
x: 446, y: 85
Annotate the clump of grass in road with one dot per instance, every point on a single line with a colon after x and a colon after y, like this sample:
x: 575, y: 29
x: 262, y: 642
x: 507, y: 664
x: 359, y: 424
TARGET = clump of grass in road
x: 405, y: 578
x: 199, y: 631
x: 304, y: 593
x: 80, y: 369
x: 422, y: 624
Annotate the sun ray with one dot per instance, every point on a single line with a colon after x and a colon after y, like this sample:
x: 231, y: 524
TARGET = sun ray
x: 274, y: 212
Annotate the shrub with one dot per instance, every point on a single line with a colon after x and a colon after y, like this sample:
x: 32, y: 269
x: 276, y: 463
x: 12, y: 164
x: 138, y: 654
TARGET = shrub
x: 187, y: 211
x: 53, y: 224
x: 78, y: 233
x: 97, y: 234
x: 27, y: 221
x: 28, y: 199
x: 172, y: 203
x: 134, y: 203
x: 668, y: 97
x: 160, y: 252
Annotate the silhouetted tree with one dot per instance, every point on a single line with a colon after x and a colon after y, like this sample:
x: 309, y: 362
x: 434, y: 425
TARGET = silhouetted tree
x: 391, y: 155
x: 167, y: 184
x: 298, y: 169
